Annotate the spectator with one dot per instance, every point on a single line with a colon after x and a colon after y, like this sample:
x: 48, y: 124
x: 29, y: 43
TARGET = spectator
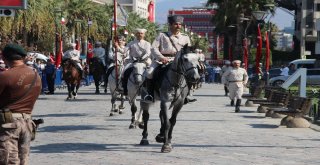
x: 50, y: 71
x: 284, y: 70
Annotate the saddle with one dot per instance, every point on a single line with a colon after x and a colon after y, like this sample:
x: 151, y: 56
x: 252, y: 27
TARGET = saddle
x: 109, y: 71
x: 159, y: 74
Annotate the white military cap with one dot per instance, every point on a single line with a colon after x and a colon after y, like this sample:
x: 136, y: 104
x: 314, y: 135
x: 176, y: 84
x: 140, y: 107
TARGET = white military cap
x: 227, y: 62
x: 197, y: 50
x: 139, y: 30
x: 98, y: 43
x: 72, y: 44
x: 236, y: 61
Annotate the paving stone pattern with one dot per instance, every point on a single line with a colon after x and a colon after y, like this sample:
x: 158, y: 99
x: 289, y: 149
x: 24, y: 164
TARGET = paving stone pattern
x: 80, y: 132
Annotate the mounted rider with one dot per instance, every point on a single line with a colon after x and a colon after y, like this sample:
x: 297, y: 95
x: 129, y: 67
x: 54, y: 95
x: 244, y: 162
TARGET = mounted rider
x: 73, y: 54
x: 164, y: 49
x: 119, y: 45
x: 138, y: 49
x: 100, y: 53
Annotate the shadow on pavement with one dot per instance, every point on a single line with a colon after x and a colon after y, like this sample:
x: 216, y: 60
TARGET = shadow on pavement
x: 61, y: 115
x: 254, y: 117
x: 240, y: 146
x: 89, y: 147
x: 263, y: 126
x: 65, y: 128
x: 197, y: 95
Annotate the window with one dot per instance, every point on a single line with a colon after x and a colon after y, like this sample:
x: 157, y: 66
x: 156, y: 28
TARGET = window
x: 318, y: 7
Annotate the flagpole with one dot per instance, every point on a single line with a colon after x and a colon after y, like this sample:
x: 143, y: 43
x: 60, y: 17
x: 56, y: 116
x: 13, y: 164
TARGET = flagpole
x: 115, y: 38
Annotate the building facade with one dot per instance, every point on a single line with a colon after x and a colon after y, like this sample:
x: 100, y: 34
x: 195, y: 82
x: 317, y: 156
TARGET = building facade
x: 198, y: 20
x: 284, y: 41
x: 305, y: 27
x: 141, y: 7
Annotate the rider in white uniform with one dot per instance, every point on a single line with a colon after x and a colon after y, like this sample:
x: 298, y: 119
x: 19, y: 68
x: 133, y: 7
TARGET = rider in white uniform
x: 73, y: 54
x: 164, y: 49
x: 137, y: 49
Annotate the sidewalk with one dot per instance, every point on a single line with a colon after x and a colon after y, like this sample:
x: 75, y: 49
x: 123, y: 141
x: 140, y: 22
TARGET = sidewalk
x: 80, y: 132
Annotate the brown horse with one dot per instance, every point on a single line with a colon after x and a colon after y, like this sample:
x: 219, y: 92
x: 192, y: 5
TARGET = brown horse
x: 98, y: 72
x: 72, y: 77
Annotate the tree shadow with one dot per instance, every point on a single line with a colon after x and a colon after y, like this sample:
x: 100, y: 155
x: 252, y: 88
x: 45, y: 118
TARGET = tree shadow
x: 270, y: 126
x: 65, y: 128
x: 198, y: 95
x: 254, y: 117
x: 89, y: 147
x: 62, y: 115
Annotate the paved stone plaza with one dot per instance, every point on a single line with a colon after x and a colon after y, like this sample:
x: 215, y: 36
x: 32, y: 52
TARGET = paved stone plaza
x: 80, y: 132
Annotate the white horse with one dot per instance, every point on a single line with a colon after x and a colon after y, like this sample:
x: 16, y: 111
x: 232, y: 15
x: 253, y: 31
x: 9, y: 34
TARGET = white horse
x: 134, y: 84
x: 116, y: 93
x: 172, y: 91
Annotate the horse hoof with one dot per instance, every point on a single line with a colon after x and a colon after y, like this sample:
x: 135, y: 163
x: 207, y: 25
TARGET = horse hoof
x: 122, y: 107
x: 160, y: 138
x: 166, y: 148
x: 144, y: 142
x: 105, y: 91
x: 115, y: 110
x: 97, y: 92
x: 111, y: 114
x: 120, y: 112
x: 141, y: 126
x: 132, y: 126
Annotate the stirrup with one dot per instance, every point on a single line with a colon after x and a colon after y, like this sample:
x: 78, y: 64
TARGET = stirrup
x: 148, y: 99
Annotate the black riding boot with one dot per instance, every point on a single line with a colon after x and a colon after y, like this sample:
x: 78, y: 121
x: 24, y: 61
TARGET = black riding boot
x: 149, y: 97
x: 124, y: 86
x: 232, y: 102
x: 238, y: 103
x: 226, y: 91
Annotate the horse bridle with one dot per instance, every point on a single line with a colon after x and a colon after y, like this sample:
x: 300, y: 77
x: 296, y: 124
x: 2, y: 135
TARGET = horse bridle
x: 183, y: 69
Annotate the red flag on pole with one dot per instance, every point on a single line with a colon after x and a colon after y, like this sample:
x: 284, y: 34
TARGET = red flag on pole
x: 259, y: 49
x: 77, y: 45
x: 245, y: 53
x: 90, y: 52
x: 267, y: 52
x: 59, y: 55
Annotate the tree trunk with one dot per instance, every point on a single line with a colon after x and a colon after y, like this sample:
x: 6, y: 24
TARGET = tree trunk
x: 238, y: 47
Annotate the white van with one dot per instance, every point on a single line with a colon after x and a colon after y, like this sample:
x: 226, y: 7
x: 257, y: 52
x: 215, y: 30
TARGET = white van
x: 302, y: 63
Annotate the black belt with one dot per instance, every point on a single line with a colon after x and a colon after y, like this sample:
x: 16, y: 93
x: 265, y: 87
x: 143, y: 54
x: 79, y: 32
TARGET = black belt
x: 169, y: 55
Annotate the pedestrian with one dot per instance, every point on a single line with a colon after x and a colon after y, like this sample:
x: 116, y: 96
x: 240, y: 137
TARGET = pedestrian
x: 136, y: 49
x: 50, y: 71
x: 20, y: 87
x: 164, y: 49
x: 284, y: 70
x: 225, y: 68
x: 236, y: 78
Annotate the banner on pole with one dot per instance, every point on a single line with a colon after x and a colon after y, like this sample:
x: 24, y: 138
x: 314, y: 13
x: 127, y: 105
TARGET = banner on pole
x: 122, y: 16
x: 13, y: 4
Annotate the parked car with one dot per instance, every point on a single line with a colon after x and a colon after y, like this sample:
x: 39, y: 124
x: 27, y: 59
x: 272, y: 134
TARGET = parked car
x: 302, y: 63
x: 313, y: 78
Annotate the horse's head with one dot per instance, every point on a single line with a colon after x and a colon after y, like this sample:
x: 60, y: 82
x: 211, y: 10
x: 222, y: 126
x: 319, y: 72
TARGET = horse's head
x: 187, y: 63
x: 139, y: 66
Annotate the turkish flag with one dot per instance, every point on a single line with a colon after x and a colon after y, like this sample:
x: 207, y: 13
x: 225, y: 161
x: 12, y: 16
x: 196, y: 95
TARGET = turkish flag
x: 259, y: 49
x: 245, y: 53
x: 59, y: 55
x: 15, y: 3
x: 267, y: 52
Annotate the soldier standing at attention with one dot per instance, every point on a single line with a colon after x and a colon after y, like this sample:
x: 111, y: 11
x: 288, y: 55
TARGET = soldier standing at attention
x: 20, y: 87
x: 236, y: 78
x: 223, y: 70
x: 164, y: 49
